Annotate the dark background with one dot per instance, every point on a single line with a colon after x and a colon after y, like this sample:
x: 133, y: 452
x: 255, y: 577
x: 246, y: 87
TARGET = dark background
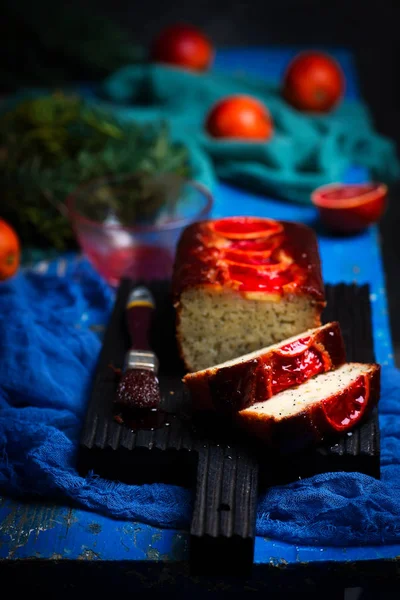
x: 369, y: 28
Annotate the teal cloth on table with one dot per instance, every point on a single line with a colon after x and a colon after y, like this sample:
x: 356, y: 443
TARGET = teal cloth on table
x: 306, y: 151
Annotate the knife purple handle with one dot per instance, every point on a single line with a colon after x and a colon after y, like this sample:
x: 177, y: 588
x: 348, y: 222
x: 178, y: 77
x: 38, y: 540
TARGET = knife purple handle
x: 139, y: 313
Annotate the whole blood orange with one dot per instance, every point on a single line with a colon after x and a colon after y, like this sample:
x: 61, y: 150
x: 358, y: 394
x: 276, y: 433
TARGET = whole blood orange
x: 313, y: 82
x: 239, y: 117
x: 183, y: 46
x: 10, y: 251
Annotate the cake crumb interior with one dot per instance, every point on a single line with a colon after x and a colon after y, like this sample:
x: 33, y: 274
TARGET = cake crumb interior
x: 219, y: 325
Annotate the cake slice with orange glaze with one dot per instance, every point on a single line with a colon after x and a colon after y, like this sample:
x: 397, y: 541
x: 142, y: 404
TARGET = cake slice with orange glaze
x: 239, y: 383
x: 329, y: 404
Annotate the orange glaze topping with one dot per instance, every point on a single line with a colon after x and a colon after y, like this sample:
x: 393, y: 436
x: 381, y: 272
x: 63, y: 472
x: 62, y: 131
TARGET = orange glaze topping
x: 249, y: 254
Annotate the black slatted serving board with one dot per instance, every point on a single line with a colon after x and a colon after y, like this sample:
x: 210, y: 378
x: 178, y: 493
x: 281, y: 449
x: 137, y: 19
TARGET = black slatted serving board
x: 226, y: 470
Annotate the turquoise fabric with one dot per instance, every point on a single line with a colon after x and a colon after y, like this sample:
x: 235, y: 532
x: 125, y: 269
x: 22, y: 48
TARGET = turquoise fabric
x: 306, y: 150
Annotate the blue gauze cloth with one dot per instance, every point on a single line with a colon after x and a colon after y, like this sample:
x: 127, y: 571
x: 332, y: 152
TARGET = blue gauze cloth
x: 48, y: 353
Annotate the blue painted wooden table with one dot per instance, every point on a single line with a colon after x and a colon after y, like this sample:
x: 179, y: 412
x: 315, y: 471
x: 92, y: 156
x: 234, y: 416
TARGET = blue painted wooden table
x: 71, y: 541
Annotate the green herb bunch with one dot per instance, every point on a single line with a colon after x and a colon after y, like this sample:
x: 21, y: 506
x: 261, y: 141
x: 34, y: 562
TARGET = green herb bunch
x: 51, y: 144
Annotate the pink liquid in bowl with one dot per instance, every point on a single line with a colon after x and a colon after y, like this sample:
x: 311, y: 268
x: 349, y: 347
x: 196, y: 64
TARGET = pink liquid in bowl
x: 140, y: 262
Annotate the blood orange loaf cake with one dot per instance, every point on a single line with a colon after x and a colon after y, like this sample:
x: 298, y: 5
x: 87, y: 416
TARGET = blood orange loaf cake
x: 330, y: 403
x: 242, y: 283
x: 255, y: 377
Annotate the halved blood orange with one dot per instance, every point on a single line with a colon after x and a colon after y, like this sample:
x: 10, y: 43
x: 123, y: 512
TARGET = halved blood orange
x: 350, y: 207
x: 351, y: 407
x: 349, y: 194
x: 245, y: 228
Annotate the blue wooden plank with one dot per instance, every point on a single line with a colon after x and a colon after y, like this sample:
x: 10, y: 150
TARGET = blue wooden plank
x: 52, y: 532
x: 271, y: 63
x: 55, y: 532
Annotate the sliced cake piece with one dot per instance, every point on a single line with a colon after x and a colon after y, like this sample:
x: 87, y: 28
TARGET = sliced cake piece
x: 330, y: 403
x: 255, y: 377
x: 241, y: 283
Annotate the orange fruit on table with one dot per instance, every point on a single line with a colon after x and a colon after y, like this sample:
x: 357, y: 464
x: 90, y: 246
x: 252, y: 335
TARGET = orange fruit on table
x: 183, y: 46
x: 241, y: 117
x: 10, y: 251
x: 350, y: 208
x: 313, y: 82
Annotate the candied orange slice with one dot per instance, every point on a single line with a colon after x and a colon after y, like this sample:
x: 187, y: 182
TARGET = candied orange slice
x: 245, y: 228
x: 247, y: 278
x: 257, y: 246
x: 262, y: 263
x: 294, y: 348
x: 341, y: 415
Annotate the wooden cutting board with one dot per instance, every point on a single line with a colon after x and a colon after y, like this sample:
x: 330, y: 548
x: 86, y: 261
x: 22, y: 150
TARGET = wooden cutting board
x: 225, y: 469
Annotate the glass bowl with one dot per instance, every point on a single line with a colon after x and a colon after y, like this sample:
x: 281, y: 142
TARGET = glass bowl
x: 126, y: 237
